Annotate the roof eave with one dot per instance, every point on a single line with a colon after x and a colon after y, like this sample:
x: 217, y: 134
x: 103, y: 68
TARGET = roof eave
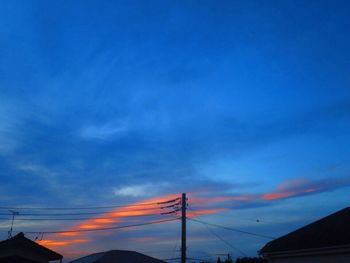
x: 307, y: 252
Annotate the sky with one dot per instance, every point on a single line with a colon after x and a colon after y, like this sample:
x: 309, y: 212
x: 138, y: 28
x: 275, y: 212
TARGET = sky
x: 243, y: 105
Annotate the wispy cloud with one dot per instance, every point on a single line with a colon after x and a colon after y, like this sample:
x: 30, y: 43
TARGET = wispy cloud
x: 305, y: 186
x: 204, y: 204
x: 9, y: 124
x: 104, y: 131
x: 92, y: 123
x: 287, y: 189
x: 140, y: 190
x: 114, y: 217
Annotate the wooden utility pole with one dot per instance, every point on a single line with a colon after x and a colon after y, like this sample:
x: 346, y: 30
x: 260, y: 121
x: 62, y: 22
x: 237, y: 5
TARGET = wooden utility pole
x: 183, y: 227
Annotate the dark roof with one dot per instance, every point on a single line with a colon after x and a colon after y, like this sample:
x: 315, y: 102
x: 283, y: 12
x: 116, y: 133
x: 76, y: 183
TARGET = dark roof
x: 19, y: 243
x: 330, y: 231
x: 117, y: 256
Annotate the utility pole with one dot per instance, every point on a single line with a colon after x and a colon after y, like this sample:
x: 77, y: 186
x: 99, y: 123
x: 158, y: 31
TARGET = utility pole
x: 183, y: 227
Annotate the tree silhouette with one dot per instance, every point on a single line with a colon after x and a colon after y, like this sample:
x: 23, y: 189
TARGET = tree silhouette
x: 251, y: 260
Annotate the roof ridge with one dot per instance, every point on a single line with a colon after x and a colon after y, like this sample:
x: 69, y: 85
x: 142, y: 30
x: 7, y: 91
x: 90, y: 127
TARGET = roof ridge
x: 301, y: 238
x: 313, y: 223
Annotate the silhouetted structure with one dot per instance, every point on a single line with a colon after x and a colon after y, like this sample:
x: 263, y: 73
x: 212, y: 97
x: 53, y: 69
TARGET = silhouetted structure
x: 324, y: 241
x: 20, y: 249
x: 117, y: 256
x: 250, y: 260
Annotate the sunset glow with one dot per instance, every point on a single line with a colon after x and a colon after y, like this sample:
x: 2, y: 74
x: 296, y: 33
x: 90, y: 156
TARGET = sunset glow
x: 111, y: 110
x: 120, y: 215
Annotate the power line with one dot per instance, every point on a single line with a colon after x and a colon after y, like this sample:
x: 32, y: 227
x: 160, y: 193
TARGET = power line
x: 232, y: 229
x: 218, y: 236
x: 87, y: 207
x: 176, y: 241
x: 101, y: 229
x: 85, y: 213
x: 226, y: 242
x: 256, y: 220
x: 72, y: 219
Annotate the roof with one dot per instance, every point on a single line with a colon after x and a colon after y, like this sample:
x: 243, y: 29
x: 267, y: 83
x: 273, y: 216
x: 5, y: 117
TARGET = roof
x: 17, y: 244
x: 117, y: 256
x: 330, y: 231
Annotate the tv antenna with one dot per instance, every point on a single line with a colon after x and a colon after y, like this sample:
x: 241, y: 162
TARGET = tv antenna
x: 14, y: 213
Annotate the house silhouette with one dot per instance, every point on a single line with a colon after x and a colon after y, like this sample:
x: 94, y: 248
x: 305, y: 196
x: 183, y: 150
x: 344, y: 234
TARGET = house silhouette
x: 117, y: 256
x: 324, y: 241
x: 20, y: 249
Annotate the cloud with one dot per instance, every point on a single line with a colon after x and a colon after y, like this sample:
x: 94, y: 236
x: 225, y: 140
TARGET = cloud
x: 115, y: 216
x: 304, y: 186
x: 203, y: 204
x: 9, y: 123
x: 142, y: 190
x: 118, y: 216
x: 287, y: 189
x: 105, y: 131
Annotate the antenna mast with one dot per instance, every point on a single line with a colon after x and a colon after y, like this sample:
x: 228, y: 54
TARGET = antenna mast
x: 14, y: 213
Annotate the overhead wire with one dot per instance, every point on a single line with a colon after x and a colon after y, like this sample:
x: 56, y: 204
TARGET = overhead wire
x: 101, y: 229
x: 124, y: 213
x: 84, y: 213
x: 176, y: 241
x: 256, y: 220
x: 232, y: 229
x: 218, y: 236
x: 88, y: 207
x: 226, y: 242
x: 77, y: 218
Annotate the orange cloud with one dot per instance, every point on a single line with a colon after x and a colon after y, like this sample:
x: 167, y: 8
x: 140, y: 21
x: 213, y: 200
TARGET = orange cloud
x: 290, y: 188
x: 206, y: 200
x: 106, y: 219
x: 203, y: 200
x: 51, y: 243
x: 62, y: 241
x: 277, y: 195
x: 286, y: 189
x: 295, y: 187
x: 204, y: 211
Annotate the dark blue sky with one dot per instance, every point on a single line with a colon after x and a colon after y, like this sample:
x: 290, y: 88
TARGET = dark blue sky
x: 106, y: 102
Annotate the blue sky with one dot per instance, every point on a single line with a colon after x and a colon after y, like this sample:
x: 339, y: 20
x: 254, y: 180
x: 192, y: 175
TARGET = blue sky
x: 113, y: 102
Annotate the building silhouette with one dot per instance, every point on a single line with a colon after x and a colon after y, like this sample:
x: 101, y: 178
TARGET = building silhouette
x: 20, y: 249
x: 324, y: 241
